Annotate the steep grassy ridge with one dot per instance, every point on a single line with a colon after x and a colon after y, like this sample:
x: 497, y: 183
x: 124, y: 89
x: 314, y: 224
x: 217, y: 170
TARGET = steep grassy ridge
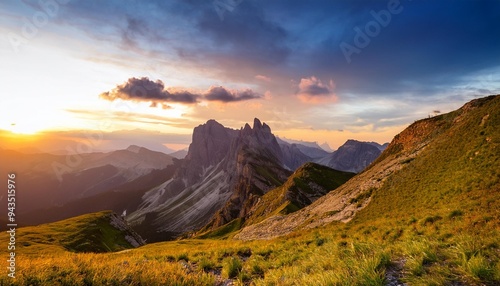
x: 96, y: 232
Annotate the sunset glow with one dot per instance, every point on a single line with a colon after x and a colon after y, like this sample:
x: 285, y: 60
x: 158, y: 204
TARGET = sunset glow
x: 171, y: 71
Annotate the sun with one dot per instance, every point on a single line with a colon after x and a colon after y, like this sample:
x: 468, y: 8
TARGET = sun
x: 24, y: 129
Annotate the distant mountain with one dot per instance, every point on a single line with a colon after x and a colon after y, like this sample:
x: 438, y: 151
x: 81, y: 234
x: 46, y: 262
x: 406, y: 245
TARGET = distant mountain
x: 122, y: 198
x: 296, y: 154
x: 379, y: 146
x: 300, y: 142
x: 354, y: 156
x: 181, y: 154
x: 54, y: 180
x: 436, y: 169
x: 326, y: 147
x: 293, y: 157
x: 223, y: 175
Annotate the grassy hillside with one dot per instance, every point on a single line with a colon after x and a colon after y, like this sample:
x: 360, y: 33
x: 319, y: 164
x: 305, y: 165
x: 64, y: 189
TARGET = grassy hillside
x: 334, y: 255
x: 304, y: 186
x: 458, y: 173
x: 87, y: 233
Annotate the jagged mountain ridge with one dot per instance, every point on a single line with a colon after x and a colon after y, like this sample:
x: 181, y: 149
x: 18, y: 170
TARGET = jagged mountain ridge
x: 223, y: 174
x: 439, y: 153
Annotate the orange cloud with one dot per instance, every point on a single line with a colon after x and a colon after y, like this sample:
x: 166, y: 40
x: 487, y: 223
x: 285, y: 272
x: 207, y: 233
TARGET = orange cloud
x: 312, y: 90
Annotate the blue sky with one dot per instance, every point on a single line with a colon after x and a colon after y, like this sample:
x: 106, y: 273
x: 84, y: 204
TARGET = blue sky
x: 175, y: 64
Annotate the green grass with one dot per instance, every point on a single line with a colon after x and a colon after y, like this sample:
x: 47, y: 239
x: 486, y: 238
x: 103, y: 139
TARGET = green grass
x: 231, y: 267
x: 223, y: 231
x: 334, y: 255
x: 86, y: 233
x: 297, y: 192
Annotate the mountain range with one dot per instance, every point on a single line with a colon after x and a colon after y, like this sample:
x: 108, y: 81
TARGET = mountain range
x: 221, y: 178
x: 52, y: 183
x: 424, y: 212
x: 227, y: 172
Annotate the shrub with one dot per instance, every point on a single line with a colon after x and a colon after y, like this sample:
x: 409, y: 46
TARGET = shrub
x: 432, y: 219
x: 455, y: 213
x: 205, y: 264
x: 183, y: 256
x: 231, y: 267
x: 479, y: 267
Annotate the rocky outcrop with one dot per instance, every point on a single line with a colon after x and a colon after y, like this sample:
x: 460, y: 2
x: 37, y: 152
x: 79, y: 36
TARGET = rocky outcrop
x: 259, y: 168
x: 222, y: 176
x: 131, y: 236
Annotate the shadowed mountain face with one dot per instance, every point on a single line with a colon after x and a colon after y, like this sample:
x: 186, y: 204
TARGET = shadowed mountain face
x: 354, y: 156
x: 435, y: 165
x: 223, y: 174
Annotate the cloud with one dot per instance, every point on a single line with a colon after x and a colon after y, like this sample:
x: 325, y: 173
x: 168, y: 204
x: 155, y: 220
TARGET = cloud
x: 312, y: 90
x: 247, y: 33
x: 263, y: 78
x: 144, y: 89
x: 219, y: 93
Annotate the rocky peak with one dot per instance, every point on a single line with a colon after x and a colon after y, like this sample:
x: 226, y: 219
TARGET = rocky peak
x: 257, y: 124
x: 266, y: 128
x: 247, y: 129
x: 210, y: 143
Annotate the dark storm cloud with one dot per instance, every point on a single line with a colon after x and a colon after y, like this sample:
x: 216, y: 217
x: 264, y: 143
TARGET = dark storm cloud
x: 246, y: 32
x: 429, y: 47
x: 143, y: 89
x: 219, y: 93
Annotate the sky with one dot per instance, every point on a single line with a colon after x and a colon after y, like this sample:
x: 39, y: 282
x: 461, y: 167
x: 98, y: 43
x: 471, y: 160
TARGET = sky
x: 148, y: 72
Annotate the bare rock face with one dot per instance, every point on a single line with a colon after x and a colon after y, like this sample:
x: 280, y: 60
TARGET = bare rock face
x: 223, y: 175
x: 210, y: 144
x: 130, y: 235
x: 257, y: 159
